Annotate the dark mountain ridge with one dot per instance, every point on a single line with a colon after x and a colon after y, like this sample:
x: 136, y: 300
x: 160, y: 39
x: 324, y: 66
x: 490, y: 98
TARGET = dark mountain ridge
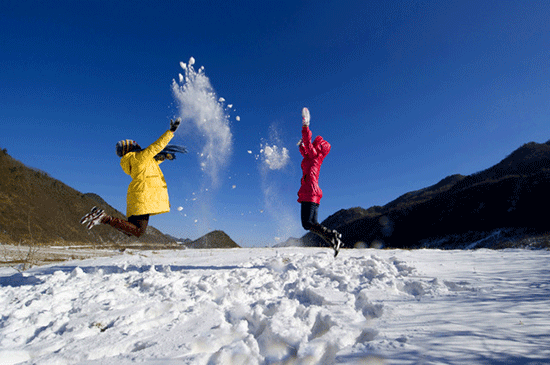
x: 495, y: 205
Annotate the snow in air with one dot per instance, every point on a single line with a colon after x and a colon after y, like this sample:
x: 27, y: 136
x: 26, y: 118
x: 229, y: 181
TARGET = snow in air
x: 275, y: 158
x: 203, y: 111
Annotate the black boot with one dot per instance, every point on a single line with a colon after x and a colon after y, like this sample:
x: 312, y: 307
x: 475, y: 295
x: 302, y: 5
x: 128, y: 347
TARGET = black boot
x: 325, y: 233
x: 331, y: 236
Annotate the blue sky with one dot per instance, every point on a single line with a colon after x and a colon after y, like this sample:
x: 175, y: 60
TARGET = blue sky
x: 407, y: 93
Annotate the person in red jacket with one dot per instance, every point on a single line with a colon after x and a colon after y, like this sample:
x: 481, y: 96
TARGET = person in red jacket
x: 310, y: 194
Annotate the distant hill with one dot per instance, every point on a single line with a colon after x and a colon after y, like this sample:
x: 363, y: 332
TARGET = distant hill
x: 491, y: 208
x: 35, y: 207
x: 179, y: 240
x: 214, y: 239
x: 291, y: 242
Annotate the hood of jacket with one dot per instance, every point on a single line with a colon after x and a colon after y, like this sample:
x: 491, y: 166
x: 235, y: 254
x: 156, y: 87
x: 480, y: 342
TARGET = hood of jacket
x: 322, y: 146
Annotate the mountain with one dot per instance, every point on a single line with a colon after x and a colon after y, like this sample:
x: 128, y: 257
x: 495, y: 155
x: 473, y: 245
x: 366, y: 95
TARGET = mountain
x: 36, y: 208
x: 179, y: 240
x: 290, y: 242
x: 491, y: 208
x: 214, y: 239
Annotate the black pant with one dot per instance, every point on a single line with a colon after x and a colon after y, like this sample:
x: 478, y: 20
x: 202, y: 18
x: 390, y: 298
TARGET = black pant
x: 310, y: 223
x: 309, y: 214
x: 141, y: 222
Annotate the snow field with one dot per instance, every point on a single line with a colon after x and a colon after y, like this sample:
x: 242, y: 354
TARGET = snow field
x: 279, y: 306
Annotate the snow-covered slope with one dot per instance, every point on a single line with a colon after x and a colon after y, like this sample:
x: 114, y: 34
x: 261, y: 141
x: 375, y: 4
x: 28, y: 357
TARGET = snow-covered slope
x: 281, y: 306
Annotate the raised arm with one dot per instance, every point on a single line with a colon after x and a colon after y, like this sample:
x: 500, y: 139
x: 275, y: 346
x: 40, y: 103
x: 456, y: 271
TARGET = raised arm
x: 160, y: 143
x: 306, y: 134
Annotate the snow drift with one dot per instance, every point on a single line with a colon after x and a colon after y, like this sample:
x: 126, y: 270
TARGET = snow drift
x: 284, y: 306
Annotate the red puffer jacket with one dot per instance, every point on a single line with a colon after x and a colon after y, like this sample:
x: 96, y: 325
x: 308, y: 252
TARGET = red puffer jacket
x: 314, y: 154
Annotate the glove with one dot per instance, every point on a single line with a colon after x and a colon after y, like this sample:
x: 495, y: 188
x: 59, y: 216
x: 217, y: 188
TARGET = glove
x: 305, y: 117
x: 174, y: 124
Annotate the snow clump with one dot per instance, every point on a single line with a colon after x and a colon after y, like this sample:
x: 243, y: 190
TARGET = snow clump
x: 275, y: 158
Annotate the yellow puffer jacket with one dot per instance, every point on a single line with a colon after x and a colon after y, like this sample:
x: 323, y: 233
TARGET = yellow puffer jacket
x: 147, y: 193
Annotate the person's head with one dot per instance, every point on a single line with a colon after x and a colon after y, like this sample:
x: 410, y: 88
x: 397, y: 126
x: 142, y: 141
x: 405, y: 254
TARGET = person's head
x: 321, y: 145
x: 125, y: 146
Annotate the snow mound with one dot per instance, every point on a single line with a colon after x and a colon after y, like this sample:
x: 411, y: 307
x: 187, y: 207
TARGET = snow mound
x: 266, y: 306
x: 266, y: 310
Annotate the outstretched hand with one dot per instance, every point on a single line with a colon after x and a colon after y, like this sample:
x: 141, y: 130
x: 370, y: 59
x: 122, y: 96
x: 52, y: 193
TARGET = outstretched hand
x: 174, y: 124
x: 305, y: 117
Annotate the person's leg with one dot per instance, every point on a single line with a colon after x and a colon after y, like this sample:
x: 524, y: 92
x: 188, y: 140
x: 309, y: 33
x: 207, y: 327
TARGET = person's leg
x: 309, y: 215
x: 141, y: 222
x: 136, y: 225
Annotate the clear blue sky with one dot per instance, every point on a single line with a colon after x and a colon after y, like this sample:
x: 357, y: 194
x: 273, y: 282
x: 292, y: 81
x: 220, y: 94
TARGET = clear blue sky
x: 407, y: 93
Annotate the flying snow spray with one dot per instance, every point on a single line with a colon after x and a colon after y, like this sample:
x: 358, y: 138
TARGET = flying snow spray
x: 202, y: 110
x: 205, y: 116
x: 273, y: 159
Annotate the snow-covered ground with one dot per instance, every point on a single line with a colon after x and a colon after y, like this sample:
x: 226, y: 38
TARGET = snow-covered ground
x: 281, y: 306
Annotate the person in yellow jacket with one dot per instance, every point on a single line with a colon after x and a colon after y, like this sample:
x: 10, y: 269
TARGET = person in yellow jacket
x: 147, y: 193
